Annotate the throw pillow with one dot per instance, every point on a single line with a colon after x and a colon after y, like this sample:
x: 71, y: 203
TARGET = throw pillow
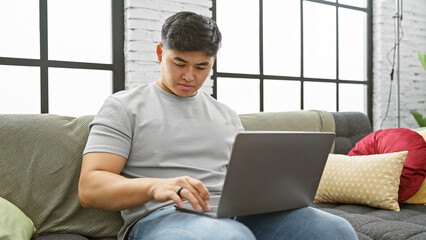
x: 14, y: 224
x: 422, y: 132
x: 397, y: 140
x: 420, y: 196
x: 369, y: 180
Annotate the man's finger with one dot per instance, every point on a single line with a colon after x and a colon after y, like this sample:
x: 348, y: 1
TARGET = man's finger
x: 200, y: 188
x: 188, y: 195
x: 175, y: 198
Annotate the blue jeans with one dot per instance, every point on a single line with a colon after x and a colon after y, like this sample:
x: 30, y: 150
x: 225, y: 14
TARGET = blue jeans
x: 304, y: 223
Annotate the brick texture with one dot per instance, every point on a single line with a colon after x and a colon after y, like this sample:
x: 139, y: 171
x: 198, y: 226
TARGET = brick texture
x: 143, y: 21
x: 412, y: 74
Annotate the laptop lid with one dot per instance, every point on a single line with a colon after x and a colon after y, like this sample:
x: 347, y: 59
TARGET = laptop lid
x: 273, y: 171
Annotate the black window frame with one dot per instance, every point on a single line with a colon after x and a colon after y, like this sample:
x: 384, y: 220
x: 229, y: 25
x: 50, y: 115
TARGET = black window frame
x: 117, y: 65
x: 261, y: 77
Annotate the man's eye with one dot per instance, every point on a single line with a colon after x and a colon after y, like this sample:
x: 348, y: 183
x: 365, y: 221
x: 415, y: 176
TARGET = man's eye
x: 201, y: 68
x: 179, y: 65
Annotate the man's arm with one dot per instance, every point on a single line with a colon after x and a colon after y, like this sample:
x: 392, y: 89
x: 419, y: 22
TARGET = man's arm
x: 102, y: 186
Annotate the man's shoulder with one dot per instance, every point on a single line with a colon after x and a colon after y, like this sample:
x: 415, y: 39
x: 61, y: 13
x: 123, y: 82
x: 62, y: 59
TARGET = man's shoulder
x: 129, y: 95
x: 132, y: 91
x: 214, y: 102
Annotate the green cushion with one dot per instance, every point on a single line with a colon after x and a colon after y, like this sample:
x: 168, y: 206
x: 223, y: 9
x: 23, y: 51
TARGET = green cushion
x: 14, y: 224
x: 40, y: 164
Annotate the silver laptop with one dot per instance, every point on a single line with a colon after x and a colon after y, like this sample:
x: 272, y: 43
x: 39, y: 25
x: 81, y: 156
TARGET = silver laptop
x: 271, y: 171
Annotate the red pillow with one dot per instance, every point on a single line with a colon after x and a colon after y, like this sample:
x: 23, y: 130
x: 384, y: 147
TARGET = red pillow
x: 397, y: 140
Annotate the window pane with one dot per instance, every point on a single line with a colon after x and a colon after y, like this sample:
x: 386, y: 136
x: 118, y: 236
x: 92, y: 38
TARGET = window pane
x: 240, y: 36
x: 353, y: 97
x: 19, y: 90
x: 355, y: 3
x: 19, y: 29
x: 320, y: 96
x: 281, y: 37
x: 240, y: 94
x: 80, y: 30
x: 77, y: 92
x: 352, y: 44
x: 319, y: 33
x: 281, y: 95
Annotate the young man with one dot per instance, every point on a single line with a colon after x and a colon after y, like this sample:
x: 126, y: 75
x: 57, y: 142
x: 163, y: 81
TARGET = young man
x: 154, y: 145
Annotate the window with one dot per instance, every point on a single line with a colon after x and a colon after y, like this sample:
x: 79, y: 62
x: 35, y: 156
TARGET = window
x: 291, y: 55
x: 60, y: 56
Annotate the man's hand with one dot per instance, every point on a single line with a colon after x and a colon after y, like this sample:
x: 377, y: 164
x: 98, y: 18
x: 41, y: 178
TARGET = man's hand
x: 193, y: 190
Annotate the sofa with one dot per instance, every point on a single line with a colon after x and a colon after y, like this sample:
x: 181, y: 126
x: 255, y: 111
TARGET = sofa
x: 40, y: 157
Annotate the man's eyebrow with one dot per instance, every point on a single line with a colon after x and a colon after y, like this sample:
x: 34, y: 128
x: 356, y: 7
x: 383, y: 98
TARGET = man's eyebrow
x: 198, y: 64
x: 180, y: 59
x: 202, y: 64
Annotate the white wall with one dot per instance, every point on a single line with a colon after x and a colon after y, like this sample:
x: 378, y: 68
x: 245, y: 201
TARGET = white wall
x: 143, y: 21
x: 412, y: 74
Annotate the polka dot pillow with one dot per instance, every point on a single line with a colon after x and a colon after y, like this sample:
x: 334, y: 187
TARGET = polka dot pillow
x: 371, y: 180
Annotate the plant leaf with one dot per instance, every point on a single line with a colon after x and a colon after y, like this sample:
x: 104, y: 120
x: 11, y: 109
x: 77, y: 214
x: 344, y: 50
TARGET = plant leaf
x: 419, y: 118
x: 422, y: 58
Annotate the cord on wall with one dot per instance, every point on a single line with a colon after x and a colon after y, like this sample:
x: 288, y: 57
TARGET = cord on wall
x: 393, y: 50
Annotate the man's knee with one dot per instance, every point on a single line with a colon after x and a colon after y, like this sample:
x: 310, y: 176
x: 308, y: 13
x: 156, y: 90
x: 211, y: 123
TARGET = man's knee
x: 226, y: 229
x: 329, y: 225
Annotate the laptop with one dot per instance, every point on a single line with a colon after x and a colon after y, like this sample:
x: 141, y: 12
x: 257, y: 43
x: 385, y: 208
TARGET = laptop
x: 270, y: 171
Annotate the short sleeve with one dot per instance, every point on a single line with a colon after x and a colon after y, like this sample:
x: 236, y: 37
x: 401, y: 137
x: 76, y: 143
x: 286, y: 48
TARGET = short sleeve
x: 111, y: 131
x: 238, y: 124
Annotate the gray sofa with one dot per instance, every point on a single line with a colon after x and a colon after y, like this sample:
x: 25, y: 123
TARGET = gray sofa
x: 373, y: 223
x: 40, y: 157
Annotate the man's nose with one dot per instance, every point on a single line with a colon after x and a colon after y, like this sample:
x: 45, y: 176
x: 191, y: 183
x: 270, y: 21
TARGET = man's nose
x: 188, y: 75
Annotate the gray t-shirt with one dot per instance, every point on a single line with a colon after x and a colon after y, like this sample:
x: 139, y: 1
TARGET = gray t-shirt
x: 164, y: 136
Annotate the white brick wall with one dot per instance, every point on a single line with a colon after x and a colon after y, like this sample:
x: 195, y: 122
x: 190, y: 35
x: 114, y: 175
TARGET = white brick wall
x: 143, y: 21
x: 412, y: 74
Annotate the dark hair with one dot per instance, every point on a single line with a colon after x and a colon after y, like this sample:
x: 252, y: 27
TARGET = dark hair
x: 187, y: 31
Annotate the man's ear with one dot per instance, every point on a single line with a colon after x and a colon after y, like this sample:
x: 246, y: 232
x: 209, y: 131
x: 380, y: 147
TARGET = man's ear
x: 159, y: 51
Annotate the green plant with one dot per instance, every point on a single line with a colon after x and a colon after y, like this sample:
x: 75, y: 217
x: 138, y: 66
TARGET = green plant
x: 419, y: 118
x: 422, y: 58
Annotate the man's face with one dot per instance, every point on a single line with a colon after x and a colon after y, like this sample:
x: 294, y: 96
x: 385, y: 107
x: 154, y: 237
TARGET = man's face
x: 183, y: 73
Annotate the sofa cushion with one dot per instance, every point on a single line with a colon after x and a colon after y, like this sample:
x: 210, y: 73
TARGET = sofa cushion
x: 396, y: 140
x: 40, y: 165
x: 373, y: 223
x: 14, y: 224
x: 370, y: 180
x: 65, y: 236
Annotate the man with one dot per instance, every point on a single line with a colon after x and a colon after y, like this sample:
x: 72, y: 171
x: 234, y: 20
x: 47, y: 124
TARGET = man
x: 154, y: 145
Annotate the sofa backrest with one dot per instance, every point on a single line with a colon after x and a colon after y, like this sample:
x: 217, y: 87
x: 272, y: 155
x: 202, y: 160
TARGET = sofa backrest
x: 315, y: 121
x: 40, y: 162
x: 350, y: 128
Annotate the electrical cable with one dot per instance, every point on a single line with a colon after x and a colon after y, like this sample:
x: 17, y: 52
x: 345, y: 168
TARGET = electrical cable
x: 392, y: 63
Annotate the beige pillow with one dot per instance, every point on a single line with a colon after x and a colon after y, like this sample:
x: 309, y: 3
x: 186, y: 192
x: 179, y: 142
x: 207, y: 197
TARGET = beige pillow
x: 420, y: 196
x: 371, y: 180
x: 422, y: 132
